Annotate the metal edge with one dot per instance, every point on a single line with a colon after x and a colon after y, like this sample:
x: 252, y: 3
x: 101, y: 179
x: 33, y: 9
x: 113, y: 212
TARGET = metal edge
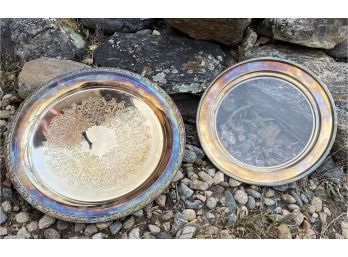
x: 323, y: 85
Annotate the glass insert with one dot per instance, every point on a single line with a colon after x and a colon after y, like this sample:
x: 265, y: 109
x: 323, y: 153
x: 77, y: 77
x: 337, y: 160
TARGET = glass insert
x: 264, y: 121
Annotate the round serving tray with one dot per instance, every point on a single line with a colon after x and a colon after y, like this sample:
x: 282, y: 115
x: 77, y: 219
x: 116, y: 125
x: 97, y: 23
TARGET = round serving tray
x: 266, y: 121
x: 95, y: 145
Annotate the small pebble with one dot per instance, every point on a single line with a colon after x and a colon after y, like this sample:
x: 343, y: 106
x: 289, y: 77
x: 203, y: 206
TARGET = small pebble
x: 32, y: 226
x: 230, y: 201
x: 195, y: 204
x: 241, y: 197
x: 154, y: 229
x: 251, y: 204
x: 3, y: 231
x: 90, y: 230
x: 51, y: 233
x: 46, y: 221
x: 231, y: 219
x: 164, y: 235
x: 269, y: 193
x: 254, y: 193
x: 218, y: 178
x: 128, y: 223
x: 199, y: 185
x: 184, y: 191
x: 115, y: 227
x: 187, y: 232
x: 211, y: 203
x: 268, y: 201
x: 99, y: 236
x: 22, y: 217
x: 6, y: 206
x: 234, y: 183
x: 288, y: 198
x: 3, y: 217
x: 161, y: 201
x: 134, y: 233
x: 23, y: 233
x: 190, y: 214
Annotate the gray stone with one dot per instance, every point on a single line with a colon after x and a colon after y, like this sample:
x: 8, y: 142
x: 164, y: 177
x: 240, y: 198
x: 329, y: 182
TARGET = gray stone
x: 189, y: 156
x: 23, y: 233
x: 316, y: 33
x: 190, y: 214
x: 79, y: 227
x: 179, y: 221
x: 99, y: 236
x: 199, y: 152
x: 186, y: 233
x: 184, y: 191
x: 218, y: 178
x: 226, y: 31
x: 51, y: 233
x: 112, y: 25
x: 6, y: 206
x: 329, y: 170
x: 28, y: 39
x: 297, y: 217
x: 154, y: 229
x: 206, y: 178
x: 129, y: 223
x: 188, y: 67
x: 22, y: 217
x: 32, y: 226
x: 241, y: 197
x: 230, y: 201
x: 211, y: 202
x: 333, y: 74
x: 304, y: 198
x: 139, y: 213
x: 164, y: 235
x: 46, y: 221
x: 6, y: 193
x: 268, y: 201
x: 254, y: 193
x: 161, y: 201
x: 62, y: 225
x: 296, y: 197
x: 288, y: 198
x: 115, y: 227
x: 134, y: 233
x: 234, y: 183
x: 3, y: 231
x: 251, y: 204
x: 90, y: 230
x: 195, y: 204
x: 38, y: 72
x: 340, y: 50
x: 3, y: 217
x: 199, y: 185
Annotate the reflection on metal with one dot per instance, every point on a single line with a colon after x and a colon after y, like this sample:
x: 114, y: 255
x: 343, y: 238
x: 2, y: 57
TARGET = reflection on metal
x: 266, y: 121
x: 95, y: 145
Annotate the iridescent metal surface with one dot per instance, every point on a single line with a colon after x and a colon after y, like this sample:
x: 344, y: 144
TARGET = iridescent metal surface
x: 95, y: 145
x: 267, y: 121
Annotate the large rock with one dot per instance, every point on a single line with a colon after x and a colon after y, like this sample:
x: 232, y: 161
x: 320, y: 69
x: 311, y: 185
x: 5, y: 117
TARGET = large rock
x: 177, y: 64
x: 340, y: 50
x: 27, y: 39
x: 38, y: 72
x: 333, y: 74
x: 112, y: 25
x: 225, y: 31
x: 316, y: 33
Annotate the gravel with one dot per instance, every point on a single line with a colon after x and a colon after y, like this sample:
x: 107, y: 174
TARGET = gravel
x: 317, y: 203
x: 184, y: 191
x: 190, y: 214
x: 51, y: 233
x: 134, y: 233
x: 46, y: 221
x: 3, y: 217
x: 241, y: 197
x: 22, y: 217
x: 115, y: 227
x: 211, y: 203
x: 230, y: 201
